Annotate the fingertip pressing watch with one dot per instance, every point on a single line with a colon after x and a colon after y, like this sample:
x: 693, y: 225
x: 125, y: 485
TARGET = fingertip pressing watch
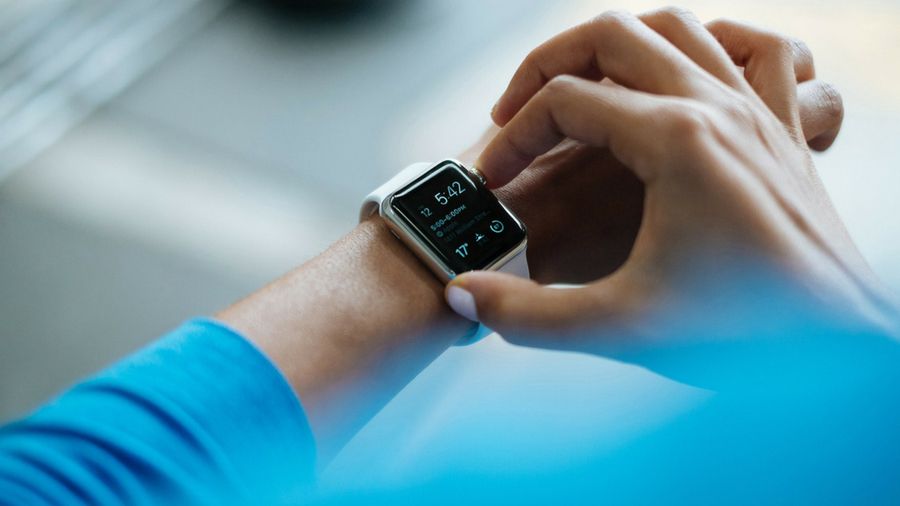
x: 446, y: 216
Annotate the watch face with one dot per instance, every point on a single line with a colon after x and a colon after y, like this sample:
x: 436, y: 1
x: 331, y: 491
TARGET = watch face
x: 462, y: 222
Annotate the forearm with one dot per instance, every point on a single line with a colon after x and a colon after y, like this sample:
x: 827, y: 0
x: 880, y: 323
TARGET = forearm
x: 346, y: 330
x: 350, y: 328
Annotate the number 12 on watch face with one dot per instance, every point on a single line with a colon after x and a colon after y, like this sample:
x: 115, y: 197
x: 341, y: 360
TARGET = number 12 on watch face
x: 460, y: 221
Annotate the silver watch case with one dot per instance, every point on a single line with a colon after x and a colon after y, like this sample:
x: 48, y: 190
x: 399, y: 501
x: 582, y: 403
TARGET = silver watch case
x: 409, y: 237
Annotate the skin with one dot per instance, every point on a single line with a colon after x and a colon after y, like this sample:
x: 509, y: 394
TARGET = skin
x: 353, y: 326
x: 710, y: 120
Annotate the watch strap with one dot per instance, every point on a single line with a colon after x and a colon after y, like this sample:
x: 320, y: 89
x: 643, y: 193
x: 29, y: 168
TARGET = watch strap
x: 517, y: 265
x: 373, y: 201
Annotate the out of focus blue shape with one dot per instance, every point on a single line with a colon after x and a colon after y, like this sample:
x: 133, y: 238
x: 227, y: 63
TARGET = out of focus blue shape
x: 203, y: 417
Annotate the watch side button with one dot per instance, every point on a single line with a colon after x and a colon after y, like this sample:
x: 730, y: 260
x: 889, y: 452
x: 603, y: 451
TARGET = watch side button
x: 478, y: 175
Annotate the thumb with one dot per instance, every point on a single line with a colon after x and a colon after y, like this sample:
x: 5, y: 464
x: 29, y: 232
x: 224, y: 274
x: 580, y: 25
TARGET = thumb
x: 514, y: 306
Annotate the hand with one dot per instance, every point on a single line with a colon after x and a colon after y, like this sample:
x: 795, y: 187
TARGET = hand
x: 723, y: 160
x: 550, y: 197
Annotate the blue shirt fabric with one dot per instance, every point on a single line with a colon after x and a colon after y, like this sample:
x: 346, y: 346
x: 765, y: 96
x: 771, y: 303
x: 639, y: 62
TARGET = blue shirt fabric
x: 203, y: 417
x: 199, y: 416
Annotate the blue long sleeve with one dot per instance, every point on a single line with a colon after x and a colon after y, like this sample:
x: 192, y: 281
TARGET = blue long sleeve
x: 203, y: 417
x: 200, y: 416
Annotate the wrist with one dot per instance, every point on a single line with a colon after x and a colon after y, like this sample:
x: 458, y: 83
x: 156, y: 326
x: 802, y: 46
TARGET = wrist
x: 350, y: 328
x: 365, y: 295
x: 410, y: 297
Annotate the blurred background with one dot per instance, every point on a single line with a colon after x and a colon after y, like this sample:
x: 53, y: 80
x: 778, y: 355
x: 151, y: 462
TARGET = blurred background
x: 160, y: 159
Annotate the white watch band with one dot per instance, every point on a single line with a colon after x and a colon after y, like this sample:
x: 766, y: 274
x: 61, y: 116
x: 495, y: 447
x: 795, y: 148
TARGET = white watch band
x: 517, y: 265
x: 373, y: 201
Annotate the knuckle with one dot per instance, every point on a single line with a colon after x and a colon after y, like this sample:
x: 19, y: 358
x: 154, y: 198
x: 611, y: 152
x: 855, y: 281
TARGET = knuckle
x: 689, y: 122
x: 533, y: 59
x: 686, y: 135
x: 777, y: 45
x: 800, y: 50
x: 613, y: 20
x: 561, y: 85
x: 831, y: 101
x: 674, y: 16
x: 721, y: 22
x: 518, y: 148
x: 721, y: 26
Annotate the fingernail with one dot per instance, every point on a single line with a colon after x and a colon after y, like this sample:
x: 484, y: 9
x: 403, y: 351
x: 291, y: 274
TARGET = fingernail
x: 462, y: 302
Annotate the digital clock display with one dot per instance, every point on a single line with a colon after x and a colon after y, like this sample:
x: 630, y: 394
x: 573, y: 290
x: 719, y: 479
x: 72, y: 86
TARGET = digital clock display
x: 462, y: 222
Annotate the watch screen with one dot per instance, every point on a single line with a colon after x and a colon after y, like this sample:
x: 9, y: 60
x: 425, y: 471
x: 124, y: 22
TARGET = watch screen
x: 462, y: 222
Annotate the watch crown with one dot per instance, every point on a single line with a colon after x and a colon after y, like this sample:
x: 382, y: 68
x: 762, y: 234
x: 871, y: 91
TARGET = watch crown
x: 478, y: 175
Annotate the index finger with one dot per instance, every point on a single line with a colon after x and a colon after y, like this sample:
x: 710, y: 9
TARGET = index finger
x: 614, y: 45
x: 623, y: 120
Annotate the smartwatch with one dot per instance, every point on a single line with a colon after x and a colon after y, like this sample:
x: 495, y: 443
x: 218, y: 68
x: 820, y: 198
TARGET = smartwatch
x: 446, y: 216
